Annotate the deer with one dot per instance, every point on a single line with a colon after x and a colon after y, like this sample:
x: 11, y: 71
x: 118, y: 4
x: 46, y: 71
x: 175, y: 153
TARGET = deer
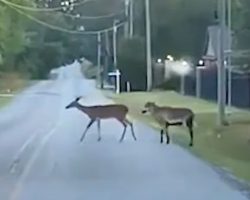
x: 170, y: 116
x: 99, y: 112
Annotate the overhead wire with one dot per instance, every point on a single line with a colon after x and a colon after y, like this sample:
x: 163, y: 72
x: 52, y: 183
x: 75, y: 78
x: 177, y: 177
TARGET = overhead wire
x: 57, y: 28
x: 44, y: 9
x: 94, y: 17
x: 33, y: 9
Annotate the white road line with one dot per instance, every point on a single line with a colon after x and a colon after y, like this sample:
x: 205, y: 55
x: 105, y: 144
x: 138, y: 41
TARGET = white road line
x: 19, y: 185
x: 16, y: 160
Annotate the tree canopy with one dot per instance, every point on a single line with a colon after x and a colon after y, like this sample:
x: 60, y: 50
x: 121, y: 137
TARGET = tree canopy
x: 30, y: 43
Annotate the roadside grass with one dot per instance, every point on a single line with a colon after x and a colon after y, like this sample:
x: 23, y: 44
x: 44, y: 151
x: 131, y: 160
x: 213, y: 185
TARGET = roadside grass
x: 227, y: 147
x: 10, y: 84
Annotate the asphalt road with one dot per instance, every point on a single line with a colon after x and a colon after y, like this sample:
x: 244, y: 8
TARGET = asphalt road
x: 41, y: 157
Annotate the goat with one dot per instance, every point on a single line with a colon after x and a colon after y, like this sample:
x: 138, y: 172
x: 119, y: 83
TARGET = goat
x: 169, y: 116
x: 98, y: 112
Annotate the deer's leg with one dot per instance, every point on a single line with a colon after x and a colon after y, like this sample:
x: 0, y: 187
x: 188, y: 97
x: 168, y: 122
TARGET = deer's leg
x: 162, y: 133
x: 124, y: 130
x: 86, y: 129
x: 166, y: 132
x: 190, y: 128
x: 132, y: 128
x: 99, y: 129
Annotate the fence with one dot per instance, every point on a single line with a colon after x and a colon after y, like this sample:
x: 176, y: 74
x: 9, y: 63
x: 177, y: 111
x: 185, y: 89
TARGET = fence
x: 240, y: 87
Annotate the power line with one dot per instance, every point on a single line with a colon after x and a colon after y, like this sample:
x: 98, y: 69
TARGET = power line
x: 33, y: 9
x: 43, y: 9
x: 94, y: 17
x: 57, y: 28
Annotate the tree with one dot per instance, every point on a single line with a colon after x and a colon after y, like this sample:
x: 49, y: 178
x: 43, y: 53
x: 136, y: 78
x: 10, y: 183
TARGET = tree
x: 13, y: 36
x: 131, y: 62
x: 178, y: 26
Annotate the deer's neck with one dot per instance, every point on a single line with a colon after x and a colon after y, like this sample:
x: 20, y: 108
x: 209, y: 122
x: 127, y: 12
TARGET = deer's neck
x: 82, y: 108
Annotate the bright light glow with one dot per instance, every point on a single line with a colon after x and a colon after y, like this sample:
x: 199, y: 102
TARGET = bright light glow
x: 180, y: 67
x: 159, y: 60
x: 169, y: 57
x: 81, y: 28
x: 126, y: 2
x: 184, y: 63
x: 201, y: 62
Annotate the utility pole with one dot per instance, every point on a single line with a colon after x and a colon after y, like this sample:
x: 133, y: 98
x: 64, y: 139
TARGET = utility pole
x: 148, y: 46
x: 107, y: 53
x: 221, y: 63
x: 115, y: 43
x: 99, y: 58
x: 126, y: 27
x: 131, y: 18
x: 229, y: 60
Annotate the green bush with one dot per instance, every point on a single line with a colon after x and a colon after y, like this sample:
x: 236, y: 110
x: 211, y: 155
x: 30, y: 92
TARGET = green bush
x: 172, y: 84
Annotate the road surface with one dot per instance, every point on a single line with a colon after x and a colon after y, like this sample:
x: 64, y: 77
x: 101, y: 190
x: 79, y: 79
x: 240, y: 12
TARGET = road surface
x: 41, y: 157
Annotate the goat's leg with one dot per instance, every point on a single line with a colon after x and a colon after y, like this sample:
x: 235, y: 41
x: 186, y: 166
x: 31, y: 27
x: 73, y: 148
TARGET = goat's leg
x: 132, y: 128
x: 99, y: 129
x: 190, y: 128
x: 162, y: 133
x: 86, y: 129
x: 191, y: 137
x: 166, y: 133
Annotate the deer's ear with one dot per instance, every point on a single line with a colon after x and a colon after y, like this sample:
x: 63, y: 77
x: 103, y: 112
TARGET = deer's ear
x: 78, y: 98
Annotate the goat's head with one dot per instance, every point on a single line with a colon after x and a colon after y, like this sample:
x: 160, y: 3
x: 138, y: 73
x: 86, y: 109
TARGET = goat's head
x: 148, y: 107
x: 73, y: 103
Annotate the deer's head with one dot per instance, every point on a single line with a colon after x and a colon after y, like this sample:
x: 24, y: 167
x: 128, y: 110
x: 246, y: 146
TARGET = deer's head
x: 73, y: 104
x: 148, y: 107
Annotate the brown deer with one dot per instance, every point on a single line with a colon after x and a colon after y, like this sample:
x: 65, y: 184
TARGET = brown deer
x: 169, y: 116
x: 98, y: 112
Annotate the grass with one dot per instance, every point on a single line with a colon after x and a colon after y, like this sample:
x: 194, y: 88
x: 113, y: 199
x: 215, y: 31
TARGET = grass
x: 10, y: 83
x: 4, y: 101
x: 228, y: 146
